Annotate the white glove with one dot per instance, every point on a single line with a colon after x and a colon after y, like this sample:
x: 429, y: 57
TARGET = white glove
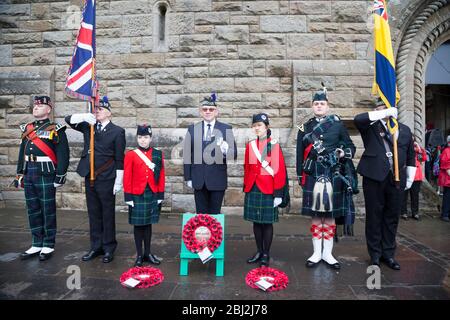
x: 189, y: 183
x: 130, y: 203
x: 159, y: 201
x: 81, y: 117
x: 56, y: 185
x: 410, y: 174
x: 448, y: 172
x: 224, y: 147
x: 381, y: 114
x: 277, y: 201
x: 340, y: 153
x: 118, y: 183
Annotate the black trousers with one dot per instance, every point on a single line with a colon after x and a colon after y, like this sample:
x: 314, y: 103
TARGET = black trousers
x: 383, y: 205
x: 446, y: 202
x: 207, y: 201
x: 101, y: 205
x: 414, y: 192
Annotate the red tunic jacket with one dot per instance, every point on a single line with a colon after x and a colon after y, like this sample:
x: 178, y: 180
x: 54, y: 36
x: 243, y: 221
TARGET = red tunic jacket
x: 137, y: 175
x: 255, y: 173
x: 444, y: 162
x: 419, y: 174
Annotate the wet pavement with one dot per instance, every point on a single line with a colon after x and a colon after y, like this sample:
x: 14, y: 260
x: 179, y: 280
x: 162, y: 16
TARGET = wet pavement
x: 423, y: 252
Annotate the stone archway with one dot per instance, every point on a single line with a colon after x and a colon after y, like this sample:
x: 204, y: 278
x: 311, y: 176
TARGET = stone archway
x: 427, y: 30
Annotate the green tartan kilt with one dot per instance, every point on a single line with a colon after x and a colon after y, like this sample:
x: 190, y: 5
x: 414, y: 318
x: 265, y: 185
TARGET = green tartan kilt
x: 145, y: 210
x: 258, y: 207
x: 342, y: 201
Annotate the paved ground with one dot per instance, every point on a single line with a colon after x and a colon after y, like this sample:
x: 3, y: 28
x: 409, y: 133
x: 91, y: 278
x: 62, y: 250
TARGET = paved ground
x: 423, y: 252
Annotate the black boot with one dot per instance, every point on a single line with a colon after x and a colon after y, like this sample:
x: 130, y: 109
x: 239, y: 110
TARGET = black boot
x: 255, y: 258
x: 265, y: 260
x: 139, y: 261
x: 152, y: 259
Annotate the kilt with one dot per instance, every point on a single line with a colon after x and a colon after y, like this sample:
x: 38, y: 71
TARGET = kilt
x: 41, y: 205
x: 145, y: 210
x: 342, y: 201
x: 258, y: 207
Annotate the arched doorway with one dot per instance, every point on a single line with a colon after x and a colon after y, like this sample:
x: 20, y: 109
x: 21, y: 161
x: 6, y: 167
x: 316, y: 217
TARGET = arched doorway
x: 424, y: 31
x: 427, y: 29
x: 437, y: 106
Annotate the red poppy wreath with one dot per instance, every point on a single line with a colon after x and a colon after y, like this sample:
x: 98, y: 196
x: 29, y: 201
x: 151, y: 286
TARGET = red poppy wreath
x: 147, y: 276
x: 278, y: 278
x: 202, y: 231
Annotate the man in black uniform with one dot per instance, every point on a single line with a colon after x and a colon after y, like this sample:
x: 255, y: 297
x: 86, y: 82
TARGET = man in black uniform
x: 207, y: 146
x: 383, y: 198
x: 109, y: 148
x: 42, y: 167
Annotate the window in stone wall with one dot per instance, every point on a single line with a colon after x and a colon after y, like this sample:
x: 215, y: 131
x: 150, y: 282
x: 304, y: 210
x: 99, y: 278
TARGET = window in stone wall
x: 160, y: 34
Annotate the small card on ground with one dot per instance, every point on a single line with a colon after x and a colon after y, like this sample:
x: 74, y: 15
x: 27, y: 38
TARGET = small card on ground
x: 131, y: 282
x: 263, y: 284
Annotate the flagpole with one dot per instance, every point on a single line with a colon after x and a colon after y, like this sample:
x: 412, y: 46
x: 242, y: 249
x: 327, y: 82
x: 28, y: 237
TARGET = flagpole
x: 91, y: 146
x: 396, y: 172
x: 91, y: 138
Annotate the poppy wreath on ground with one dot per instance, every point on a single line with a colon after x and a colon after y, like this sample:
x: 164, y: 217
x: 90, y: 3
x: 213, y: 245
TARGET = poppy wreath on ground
x: 147, y: 276
x: 208, y: 222
x: 278, y: 278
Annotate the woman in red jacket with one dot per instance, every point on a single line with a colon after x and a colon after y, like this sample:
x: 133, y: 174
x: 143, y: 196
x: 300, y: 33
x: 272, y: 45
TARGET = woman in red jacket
x: 444, y: 180
x: 264, y: 179
x: 421, y: 156
x: 143, y: 185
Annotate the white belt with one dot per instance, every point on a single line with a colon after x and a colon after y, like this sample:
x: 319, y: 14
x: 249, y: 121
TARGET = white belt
x: 37, y: 159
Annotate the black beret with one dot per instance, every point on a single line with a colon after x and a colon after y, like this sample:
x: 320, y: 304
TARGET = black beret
x: 260, y: 117
x: 104, y: 103
x: 43, y: 100
x: 144, y: 130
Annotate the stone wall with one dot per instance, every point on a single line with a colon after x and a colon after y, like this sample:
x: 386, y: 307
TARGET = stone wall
x: 258, y: 55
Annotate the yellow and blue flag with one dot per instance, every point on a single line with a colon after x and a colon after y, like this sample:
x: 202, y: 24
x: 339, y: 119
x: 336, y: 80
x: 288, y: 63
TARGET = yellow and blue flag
x: 385, y: 79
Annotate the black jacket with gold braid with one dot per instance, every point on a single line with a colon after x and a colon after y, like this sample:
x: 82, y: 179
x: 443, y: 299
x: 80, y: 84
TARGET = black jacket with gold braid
x: 54, y: 136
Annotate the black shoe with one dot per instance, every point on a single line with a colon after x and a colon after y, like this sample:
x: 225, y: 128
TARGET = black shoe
x: 45, y: 256
x: 446, y: 219
x: 265, y: 260
x: 391, y: 263
x: 255, y: 258
x: 416, y: 217
x: 335, y: 266
x: 139, y: 261
x: 108, y: 257
x: 25, y: 256
x: 91, y: 255
x: 405, y: 216
x: 375, y: 262
x: 310, y: 264
x: 152, y: 259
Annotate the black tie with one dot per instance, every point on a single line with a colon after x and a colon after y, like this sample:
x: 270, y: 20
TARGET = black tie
x: 99, y: 127
x: 208, y: 132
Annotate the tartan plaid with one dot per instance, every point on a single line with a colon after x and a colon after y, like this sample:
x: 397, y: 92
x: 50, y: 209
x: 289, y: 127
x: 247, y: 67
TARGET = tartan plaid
x: 258, y: 207
x: 145, y: 210
x: 342, y: 202
x: 329, y: 230
x: 41, y: 206
x: 316, y: 231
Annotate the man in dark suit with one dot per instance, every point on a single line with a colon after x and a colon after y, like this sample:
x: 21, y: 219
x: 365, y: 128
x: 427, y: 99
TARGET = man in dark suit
x: 207, y: 146
x: 383, y: 197
x: 109, y: 148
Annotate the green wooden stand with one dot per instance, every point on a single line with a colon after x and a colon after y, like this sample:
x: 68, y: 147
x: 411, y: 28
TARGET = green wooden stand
x: 218, y: 254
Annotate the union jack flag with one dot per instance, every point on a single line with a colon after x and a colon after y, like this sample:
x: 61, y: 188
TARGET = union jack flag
x: 380, y: 9
x: 81, y: 80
